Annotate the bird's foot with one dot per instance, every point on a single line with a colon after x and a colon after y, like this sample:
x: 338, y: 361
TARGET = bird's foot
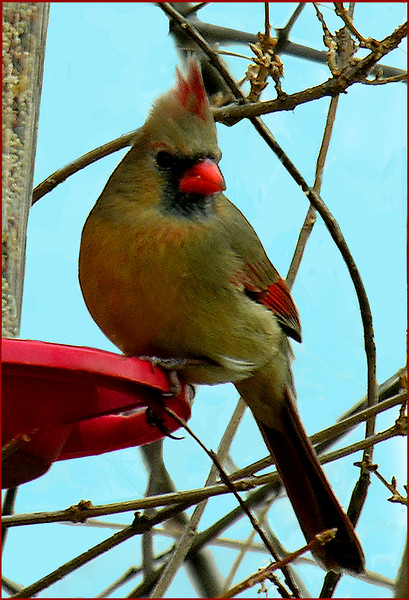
x: 173, y: 365
x: 154, y: 420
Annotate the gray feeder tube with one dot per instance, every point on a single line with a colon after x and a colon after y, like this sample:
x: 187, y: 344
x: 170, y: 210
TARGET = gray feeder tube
x: 24, y: 38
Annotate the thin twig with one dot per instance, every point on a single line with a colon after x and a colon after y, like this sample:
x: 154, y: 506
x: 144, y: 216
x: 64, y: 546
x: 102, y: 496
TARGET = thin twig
x: 382, y: 436
x: 224, y: 478
x: 353, y: 73
x: 226, y: 115
x: 257, y: 528
x: 159, y: 482
x: 259, y: 496
x: 284, y: 32
x: 369, y: 577
x: 360, y: 491
x: 248, y: 545
x: 245, y: 547
x: 267, y: 25
x: 311, y: 218
x: 366, y: 443
x: 6, y: 510
x: 390, y: 390
x: 263, y: 574
x: 79, y: 513
x: 235, y: 54
x: 80, y: 163
x: 138, y: 527
x: 170, y: 570
x: 396, y: 495
x: 331, y: 434
x: 215, y: 34
x: 349, y: 423
x: 226, y: 521
x: 195, y: 8
x: 243, y: 505
x: 124, y: 578
x: 379, y: 81
x: 346, y: 17
x: 186, y: 541
x: 363, y: 444
x: 83, y: 511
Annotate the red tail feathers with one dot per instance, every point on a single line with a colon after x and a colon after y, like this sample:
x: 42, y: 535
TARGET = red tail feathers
x: 310, y: 494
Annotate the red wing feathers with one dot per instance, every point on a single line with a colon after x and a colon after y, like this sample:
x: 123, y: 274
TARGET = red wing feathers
x: 275, y: 296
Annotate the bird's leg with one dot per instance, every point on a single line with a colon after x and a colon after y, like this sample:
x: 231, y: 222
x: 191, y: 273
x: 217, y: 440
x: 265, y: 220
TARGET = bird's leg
x: 173, y: 365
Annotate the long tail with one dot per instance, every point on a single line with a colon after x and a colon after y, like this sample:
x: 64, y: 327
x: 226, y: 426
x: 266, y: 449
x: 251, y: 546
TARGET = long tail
x: 309, y: 492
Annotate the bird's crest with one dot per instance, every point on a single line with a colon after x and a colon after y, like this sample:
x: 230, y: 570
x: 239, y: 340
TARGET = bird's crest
x: 191, y: 92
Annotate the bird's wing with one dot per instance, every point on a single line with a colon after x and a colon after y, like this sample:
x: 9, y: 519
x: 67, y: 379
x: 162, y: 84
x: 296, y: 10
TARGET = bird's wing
x: 258, y: 277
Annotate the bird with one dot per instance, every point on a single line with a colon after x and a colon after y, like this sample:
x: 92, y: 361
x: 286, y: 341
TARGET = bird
x: 170, y: 268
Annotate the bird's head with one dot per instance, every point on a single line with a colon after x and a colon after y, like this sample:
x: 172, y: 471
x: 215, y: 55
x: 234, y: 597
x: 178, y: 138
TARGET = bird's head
x: 182, y: 140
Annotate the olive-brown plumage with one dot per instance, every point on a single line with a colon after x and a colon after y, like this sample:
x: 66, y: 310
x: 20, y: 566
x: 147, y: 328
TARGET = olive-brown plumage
x: 170, y: 268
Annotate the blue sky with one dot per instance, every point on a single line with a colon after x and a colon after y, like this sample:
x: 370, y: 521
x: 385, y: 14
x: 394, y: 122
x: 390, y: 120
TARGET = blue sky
x: 105, y: 65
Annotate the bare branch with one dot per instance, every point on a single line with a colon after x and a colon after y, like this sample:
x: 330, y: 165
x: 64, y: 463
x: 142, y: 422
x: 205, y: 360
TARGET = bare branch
x: 137, y: 527
x: 84, y: 510
x: 80, y: 163
x: 267, y: 25
x: 350, y: 75
x: 11, y: 587
x: 392, y: 487
x: 7, y: 509
x: 311, y: 218
x: 346, y: 17
x: 184, y: 546
x: 161, y: 587
x: 79, y: 513
x: 254, y: 499
x: 329, y: 436
x: 226, y: 115
x: 380, y: 81
x: 284, y: 32
x: 263, y: 574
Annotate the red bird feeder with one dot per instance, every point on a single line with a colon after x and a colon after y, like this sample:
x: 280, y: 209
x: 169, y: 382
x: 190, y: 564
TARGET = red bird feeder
x: 63, y: 402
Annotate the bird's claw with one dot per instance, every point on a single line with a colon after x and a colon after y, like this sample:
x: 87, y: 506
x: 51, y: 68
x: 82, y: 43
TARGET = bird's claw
x: 154, y: 420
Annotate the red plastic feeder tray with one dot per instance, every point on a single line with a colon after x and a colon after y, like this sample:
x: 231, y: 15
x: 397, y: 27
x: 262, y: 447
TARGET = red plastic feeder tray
x: 62, y: 402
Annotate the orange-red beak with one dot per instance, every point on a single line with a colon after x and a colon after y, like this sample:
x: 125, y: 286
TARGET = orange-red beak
x: 203, y: 178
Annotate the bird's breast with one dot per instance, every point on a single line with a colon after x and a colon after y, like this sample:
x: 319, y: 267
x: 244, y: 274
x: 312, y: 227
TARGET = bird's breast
x: 143, y: 280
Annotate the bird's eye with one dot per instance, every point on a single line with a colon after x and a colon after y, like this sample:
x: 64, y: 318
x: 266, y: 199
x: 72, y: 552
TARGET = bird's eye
x: 165, y: 160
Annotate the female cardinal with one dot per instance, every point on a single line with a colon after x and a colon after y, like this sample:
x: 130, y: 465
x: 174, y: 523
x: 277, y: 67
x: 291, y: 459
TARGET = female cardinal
x: 170, y: 268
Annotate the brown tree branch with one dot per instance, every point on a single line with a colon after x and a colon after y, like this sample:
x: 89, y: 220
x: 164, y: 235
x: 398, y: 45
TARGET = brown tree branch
x: 83, y: 511
x: 231, y: 486
x: 379, y: 81
x: 347, y: 18
x: 183, y: 548
x: 227, y: 115
x: 357, y: 72
x: 311, y: 217
x: 138, y: 527
x: 392, y: 487
x: 262, y: 574
x: 215, y: 34
x: 80, y: 163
